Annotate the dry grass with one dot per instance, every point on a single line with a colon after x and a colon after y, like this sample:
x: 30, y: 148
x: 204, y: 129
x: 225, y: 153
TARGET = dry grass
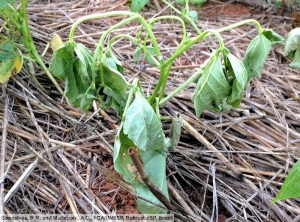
x: 60, y: 151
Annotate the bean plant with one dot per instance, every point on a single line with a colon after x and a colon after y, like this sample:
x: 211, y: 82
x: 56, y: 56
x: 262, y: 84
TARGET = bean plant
x: 98, y: 76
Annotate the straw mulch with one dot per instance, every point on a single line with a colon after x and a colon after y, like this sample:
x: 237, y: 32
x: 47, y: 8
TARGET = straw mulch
x: 227, y: 165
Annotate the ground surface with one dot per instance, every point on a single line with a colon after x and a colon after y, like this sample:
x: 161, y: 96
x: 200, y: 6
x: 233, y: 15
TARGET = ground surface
x: 260, y: 139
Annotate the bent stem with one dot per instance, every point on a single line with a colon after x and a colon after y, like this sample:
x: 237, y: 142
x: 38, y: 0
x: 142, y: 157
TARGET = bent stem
x: 32, y: 49
x: 181, y: 87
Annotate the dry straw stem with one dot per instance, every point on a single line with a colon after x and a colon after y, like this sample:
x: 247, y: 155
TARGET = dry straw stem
x: 260, y: 139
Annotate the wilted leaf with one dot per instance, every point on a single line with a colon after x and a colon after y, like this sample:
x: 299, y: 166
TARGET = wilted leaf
x: 155, y: 167
x: 292, y: 42
x: 115, y: 84
x: 154, y: 163
x: 72, y: 63
x: 121, y: 156
x: 56, y: 42
x: 151, y: 50
x: 240, y: 80
x: 142, y: 125
x: 11, y: 61
x: 137, y: 54
x: 212, y: 87
x: 291, y: 185
x: 256, y: 55
x: 175, y: 131
x: 273, y: 37
x: 295, y: 64
x: 137, y: 5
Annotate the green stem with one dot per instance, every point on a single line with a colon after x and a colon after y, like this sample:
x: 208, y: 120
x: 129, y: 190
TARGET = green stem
x: 235, y: 25
x: 135, y: 41
x: 184, y: 15
x: 131, y: 92
x: 181, y: 87
x: 30, y: 45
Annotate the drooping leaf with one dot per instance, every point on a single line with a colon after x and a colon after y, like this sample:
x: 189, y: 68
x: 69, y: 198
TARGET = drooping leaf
x: 295, y: 64
x: 240, y: 80
x: 73, y: 63
x: 154, y: 163
x: 292, y: 42
x: 115, y: 84
x: 175, y: 131
x: 137, y: 5
x: 56, y: 42
x: 292, y: 47
x: 291, y: 185
x: 122, y: 161
x: 256, y: 55
x: 272, y: 36
x: 151, y: 50
x: 143, y: 126
x: 4, y: 3
x: 212, y: 87
x: 155, y: 167
x: 137, y: 54
x: 11, y: 61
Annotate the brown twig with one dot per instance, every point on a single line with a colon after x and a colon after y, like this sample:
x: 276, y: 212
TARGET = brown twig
x: 152, y: 187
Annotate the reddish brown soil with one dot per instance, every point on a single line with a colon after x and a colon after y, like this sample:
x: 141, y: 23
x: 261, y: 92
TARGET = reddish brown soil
x: 232, y: 10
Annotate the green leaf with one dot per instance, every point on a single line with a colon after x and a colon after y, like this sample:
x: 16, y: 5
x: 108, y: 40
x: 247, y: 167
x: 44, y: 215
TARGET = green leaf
x: 154, y: 165
x: 151, y: 50
x: 212, y: 87
x: 137, y: 54
x: 256, y: 55
x: 73, y: 63
x: 295, y: 64
x: 137, y: 5
x: 194, y: 15
x: 11, y: 61
x: 115, y: 84
x: 272, y: 36
x: 175, y: 131
x: 240, y: 80
x: 4, y: 3
x: 292, y: 42
x: 143, y: 126
x: 291, y: 185
x: 122, y: 161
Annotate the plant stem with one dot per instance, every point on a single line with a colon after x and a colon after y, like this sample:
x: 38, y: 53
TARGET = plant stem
x: 185, y: 15
x: 152, y: 187
x: 182, y: 86
x: 30, y: 45
x: 131, y: 92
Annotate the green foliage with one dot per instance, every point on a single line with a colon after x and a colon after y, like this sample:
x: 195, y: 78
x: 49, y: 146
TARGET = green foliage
x: 221, y: 81
x: 292, y: 47
x: 291, y: 185
x: 142, y: 125
x: 72, y: 63
x: 4, y: 3
x: 212, y: 87
x: 256, y: 55
x: 137, y: 5
x: 11, y: 61
x: 175, y: 131
x: 142, y: 129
